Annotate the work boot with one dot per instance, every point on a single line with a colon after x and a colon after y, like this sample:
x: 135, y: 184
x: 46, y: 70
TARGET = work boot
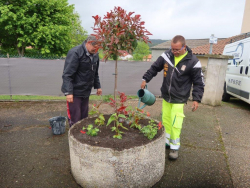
x: 173, y: 154
x: 167, y: 146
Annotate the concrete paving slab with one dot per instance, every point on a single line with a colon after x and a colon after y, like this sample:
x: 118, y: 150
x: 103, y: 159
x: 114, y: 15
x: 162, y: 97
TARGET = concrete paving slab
x: 200, y: 128
x: 196, y: 168
x: 34, y: 157
x: 234, y: 121
x: 214, y: 152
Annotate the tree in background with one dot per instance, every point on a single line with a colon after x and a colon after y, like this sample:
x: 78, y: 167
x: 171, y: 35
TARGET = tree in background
x: 119, y: 31
x: 78, y: 34
x: 48, y: 26
x: 141, y: 51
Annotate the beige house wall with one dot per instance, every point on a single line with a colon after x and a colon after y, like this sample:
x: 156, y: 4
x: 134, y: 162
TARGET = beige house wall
x: 203, y: 60
x: 156, y: 54
x: 246, y: 23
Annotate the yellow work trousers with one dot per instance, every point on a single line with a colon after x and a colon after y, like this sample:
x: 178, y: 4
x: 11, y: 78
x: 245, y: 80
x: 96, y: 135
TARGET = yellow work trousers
x: 172, y: 119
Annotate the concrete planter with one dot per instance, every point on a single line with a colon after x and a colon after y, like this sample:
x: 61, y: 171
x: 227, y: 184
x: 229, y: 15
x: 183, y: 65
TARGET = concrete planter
x: 94, y: 166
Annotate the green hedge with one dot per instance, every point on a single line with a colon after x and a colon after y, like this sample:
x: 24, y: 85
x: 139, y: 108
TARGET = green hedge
x: 30, y: 53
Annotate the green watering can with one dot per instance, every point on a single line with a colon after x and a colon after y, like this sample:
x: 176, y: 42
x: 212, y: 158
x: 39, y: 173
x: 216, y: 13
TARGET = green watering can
x: 146, y: 97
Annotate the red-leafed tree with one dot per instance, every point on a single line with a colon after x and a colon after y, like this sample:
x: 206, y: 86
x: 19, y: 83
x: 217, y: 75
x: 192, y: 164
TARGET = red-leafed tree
x: 117, y: 31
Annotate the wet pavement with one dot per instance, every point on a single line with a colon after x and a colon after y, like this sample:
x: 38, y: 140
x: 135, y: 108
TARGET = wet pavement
x: 215, y: 150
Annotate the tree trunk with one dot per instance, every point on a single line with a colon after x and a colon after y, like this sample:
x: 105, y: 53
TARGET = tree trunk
x: 115, y: 89
x: 18, y: 50
x: 23, y: 49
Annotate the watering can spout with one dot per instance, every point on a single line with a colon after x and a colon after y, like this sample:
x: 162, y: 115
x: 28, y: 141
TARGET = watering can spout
x: 146, y: 97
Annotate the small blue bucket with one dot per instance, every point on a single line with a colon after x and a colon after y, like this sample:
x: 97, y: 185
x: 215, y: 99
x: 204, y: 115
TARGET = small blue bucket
x: 58, y: 124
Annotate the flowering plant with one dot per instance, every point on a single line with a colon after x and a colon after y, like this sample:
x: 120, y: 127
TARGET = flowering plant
x: 126, y: 117
x: 118, y: 31
x: 120, y: 106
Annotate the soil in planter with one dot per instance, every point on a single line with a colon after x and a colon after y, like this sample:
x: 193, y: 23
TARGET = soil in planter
x: 131, y: 137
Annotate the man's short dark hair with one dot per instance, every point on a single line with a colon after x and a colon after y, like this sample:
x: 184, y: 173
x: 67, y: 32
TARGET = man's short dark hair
x: 92, y: 39
x: 179, y: 38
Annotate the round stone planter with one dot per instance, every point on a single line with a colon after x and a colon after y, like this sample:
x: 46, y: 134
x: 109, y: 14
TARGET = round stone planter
x: 94, y: 166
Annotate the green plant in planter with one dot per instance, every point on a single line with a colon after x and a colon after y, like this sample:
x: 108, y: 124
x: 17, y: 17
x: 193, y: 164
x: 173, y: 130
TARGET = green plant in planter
x: 120, y: 105
x: 132, y: 117
x: 100, y: 120
x: 91, y: 130
x: 125, y: 114
x: 135, y: 116
x: 115, y: 118
x: 150, y: 130
x: 120, y: 114
x: 95, y: 109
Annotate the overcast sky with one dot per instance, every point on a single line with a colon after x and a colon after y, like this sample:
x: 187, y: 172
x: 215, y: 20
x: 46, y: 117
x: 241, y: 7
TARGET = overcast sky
x: 194, y: 19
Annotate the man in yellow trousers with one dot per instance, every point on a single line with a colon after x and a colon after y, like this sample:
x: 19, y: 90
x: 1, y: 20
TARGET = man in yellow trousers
x: 181, y: 70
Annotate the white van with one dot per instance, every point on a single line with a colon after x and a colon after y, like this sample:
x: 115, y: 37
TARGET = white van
x: 237, y: 82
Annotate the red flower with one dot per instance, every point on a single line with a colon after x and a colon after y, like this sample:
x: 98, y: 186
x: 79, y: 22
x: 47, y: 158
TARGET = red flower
x: 137, y: 17
x: 122, y: 109
x: 83, y: 132
x: 130, y: 13
x: 148, y: 114
x: 112, y: 103
x: 159, y: 125
x: 95, y: 17
x: 94, y: 104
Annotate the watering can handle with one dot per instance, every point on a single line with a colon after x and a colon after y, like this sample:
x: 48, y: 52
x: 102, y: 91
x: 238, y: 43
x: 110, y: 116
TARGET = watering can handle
x: 140, y: 100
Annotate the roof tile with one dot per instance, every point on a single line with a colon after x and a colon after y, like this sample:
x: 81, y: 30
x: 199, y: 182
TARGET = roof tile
x: 192, y: 43
x: 219, y: 47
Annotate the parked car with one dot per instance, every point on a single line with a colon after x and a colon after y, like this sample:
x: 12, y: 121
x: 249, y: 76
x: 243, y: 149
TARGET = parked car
x: 237, y: 81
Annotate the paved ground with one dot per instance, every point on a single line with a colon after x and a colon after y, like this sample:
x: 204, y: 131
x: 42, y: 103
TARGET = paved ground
x: 215, y: 149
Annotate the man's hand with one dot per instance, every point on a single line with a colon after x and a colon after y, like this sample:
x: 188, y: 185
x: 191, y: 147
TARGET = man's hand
x: 69, y: 98
x: 195, y: 106
x: 99, y: 91
x: 143, y: 84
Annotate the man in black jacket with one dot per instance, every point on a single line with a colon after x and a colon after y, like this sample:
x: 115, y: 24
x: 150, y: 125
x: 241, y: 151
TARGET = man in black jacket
x: 181, y: 70
x: 79, y: 76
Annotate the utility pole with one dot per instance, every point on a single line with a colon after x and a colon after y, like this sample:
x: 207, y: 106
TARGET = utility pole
x: 8, y: 57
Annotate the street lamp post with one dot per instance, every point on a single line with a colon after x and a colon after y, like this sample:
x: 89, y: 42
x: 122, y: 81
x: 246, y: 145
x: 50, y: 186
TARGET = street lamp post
x: 212, y: 40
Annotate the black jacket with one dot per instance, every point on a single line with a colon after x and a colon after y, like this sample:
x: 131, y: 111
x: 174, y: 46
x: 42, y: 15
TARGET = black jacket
x: 80, y: 72
x: 178, y: 80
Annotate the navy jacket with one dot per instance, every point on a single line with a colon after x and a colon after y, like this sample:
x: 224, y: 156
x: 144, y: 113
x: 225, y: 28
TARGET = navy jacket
x: 178, y: 80
x: 80, y: 72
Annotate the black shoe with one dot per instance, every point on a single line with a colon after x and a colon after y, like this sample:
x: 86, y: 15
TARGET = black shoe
x: 167, y: 146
